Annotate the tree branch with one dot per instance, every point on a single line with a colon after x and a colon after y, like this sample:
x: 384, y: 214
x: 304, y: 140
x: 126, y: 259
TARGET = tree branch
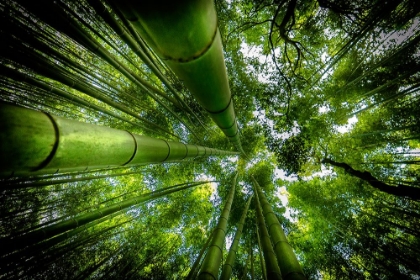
x: 412, y: 193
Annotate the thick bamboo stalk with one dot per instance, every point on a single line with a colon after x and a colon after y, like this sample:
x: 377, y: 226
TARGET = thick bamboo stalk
x: 32, y: 141
x: 287, y: 261
x: 60, y: 20
x: 272, y: 268
x: 211, y: 264
x: 185, y: 35
x: 230, y: 260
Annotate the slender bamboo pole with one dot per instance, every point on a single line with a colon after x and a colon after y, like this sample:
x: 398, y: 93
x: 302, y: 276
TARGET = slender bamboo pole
x: 230, y: 260
x: 272, y: 268
x: 41, y: 234
x: 211, y: 263
x: 252, y: 263
x: 30, y: 184
x: 263, y: 269
x: 66, y: 24
x: 286, y: 258
x: 415, y: 39
x: 45, y: 245
x: 18, y: 76
x: 195, y: 266
x: 32, y: 141
x: 245, y: 272
x: 126, y: 37
x: 39, y: 64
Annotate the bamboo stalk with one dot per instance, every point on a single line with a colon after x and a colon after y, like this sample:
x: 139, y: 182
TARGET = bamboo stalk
x: 211, y: 264
x: 230, y: 260
x: 287, y: 261
x: 272, y: 268
x: 45, y: 233
x: 196, y: 55
x: 32, y: 141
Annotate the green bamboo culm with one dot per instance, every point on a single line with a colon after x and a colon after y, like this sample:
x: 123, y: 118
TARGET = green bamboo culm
x: 130, y: 41
x: 42, y: 234
x: 60, y: 20
x: 245, y: 272
x: 194, y: 54
x: 34, y: 142
x: 263, y: 269
x: 230, y: 260
x: 32, y: 252
x: 211, y: 263
x: 194, y: 269
x: 287, y: 261
x: 272, y: 268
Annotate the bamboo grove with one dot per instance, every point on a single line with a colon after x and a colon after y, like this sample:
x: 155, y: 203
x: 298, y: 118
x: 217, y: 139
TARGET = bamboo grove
x: 209, y: 139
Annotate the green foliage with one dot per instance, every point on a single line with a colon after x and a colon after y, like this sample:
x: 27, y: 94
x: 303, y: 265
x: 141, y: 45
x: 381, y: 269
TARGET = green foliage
x: 298, y: 71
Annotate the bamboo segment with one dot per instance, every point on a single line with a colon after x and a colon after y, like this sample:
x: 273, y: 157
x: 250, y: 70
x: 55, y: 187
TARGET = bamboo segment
x: 32, y: 141
x: 286, y: 258
x: 185, y: 35
x: 211, y: 264
x: 272, y: 268
x: 230, y: 260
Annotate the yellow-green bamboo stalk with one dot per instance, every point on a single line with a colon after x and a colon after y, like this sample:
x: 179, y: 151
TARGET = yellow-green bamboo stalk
x: 272, y: 268
x: 263, y: 269
x: 195, y: 266
x: 211, y: 263
x: 49, y: 231
x: 286, y: 258
x: 230, y: 260
x: 32, y: 141
x: 185, y: 35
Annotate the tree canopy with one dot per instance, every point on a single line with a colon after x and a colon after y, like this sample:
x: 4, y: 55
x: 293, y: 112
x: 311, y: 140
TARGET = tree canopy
x: 210, y: 124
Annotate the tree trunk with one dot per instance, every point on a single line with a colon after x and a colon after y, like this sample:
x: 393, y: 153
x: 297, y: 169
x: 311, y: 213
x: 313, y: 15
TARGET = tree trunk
x: 399, y: 190
x: 211, y: 264
x: 230, y: 260
x: 288, y: 263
